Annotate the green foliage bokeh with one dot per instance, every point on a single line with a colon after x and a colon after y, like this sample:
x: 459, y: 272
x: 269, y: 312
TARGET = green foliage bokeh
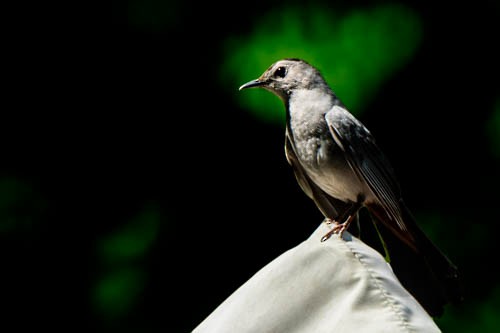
x: 355, y: 51
x: 122, y: 255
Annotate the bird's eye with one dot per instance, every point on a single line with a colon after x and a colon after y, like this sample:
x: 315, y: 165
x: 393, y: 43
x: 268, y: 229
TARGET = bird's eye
x: 280, y: 72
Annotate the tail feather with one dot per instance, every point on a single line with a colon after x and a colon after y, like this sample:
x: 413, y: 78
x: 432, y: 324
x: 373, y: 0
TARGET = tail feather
x: 422, y: 268
x: 444, y: 270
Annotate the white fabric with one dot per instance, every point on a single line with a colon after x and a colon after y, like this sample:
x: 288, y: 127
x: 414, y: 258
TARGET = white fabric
x: 340, y: 285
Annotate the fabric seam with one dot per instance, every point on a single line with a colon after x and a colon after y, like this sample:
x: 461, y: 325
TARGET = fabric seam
x: 394, y: 307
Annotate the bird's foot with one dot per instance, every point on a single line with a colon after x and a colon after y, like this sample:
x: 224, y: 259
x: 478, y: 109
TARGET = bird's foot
x: 337, y: 228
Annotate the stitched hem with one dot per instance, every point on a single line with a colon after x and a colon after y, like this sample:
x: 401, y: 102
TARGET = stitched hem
x: 396, y: 309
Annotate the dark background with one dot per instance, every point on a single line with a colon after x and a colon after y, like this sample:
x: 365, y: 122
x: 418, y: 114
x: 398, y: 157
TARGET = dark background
x: 109, y: 121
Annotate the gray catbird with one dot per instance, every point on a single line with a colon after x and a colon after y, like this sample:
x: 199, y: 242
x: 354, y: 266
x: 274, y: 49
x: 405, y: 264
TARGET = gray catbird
x: 340, y: 167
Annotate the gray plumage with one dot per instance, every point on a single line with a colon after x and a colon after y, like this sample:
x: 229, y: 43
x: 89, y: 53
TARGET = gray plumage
x: 340, y: 167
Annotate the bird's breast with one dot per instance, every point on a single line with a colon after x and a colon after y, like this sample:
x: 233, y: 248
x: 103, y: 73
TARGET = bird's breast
x: 325, y: 163
x: 322, y: 159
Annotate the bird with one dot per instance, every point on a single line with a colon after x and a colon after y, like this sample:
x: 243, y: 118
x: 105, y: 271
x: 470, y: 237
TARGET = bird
x: 338, y: 164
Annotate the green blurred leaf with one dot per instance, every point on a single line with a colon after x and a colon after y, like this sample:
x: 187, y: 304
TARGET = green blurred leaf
x: 480, y: 317
x: 117, y: 292
x: 152, y: 15
x: 20, y: 206
x: 134, y: 239
x: 355, y: 52
x: 493, y: 129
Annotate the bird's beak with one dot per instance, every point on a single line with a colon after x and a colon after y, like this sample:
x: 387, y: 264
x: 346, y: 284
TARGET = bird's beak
x: 251, y: 84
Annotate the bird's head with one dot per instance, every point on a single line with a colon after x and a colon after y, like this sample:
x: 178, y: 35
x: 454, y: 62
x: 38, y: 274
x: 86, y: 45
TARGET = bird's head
x: 287, y: 75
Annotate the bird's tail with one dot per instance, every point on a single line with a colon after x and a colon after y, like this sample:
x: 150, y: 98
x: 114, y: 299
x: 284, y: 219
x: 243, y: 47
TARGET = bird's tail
x: 445, y: 272
x: 423, y: 269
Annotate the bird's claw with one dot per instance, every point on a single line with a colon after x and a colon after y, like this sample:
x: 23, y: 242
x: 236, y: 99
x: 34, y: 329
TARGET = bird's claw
x: 337, y: 228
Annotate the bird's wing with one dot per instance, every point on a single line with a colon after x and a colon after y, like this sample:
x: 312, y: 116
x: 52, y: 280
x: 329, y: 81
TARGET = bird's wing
x: 371, y: 166
x: 329, y: 206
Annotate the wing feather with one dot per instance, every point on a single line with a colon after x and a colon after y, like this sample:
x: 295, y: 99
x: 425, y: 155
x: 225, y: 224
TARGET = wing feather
x: 367, y: 161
